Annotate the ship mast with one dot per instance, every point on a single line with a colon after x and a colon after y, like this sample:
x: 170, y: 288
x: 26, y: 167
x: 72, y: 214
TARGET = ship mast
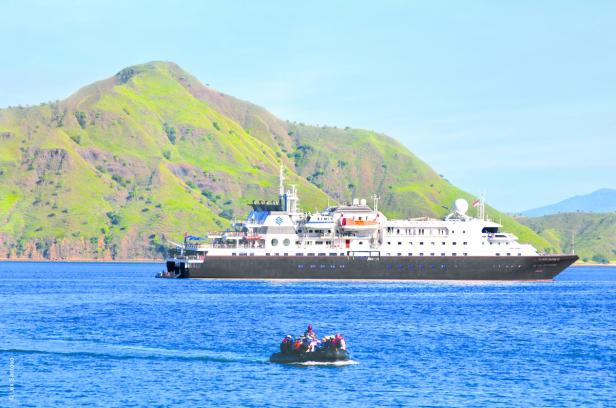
x: 281, y: 187
x: 481, y: 209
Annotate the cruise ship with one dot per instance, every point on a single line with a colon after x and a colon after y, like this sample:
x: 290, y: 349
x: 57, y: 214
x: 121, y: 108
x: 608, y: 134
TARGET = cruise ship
x: 356, y: 241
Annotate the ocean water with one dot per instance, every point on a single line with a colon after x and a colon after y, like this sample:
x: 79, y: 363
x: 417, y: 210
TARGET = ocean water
x: 113, y: 335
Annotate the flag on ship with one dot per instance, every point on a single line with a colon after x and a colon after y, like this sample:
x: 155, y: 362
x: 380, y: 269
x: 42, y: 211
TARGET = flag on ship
x: 476, y: 202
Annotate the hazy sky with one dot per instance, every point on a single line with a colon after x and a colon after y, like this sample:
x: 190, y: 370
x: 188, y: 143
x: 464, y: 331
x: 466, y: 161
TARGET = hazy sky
x: 515, y: 99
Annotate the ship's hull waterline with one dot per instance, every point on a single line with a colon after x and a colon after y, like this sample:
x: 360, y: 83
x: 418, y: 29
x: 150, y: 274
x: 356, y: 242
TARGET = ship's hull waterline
x: 522, y: 268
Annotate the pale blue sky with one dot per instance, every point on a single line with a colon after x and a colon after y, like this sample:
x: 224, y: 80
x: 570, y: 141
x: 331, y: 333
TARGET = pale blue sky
x: 515, y: 99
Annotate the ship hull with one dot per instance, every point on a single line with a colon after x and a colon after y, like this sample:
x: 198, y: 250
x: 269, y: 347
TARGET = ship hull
x: 525, y: 268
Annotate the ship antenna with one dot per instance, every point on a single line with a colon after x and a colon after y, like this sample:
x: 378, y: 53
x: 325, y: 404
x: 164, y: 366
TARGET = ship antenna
x: 281, y: 181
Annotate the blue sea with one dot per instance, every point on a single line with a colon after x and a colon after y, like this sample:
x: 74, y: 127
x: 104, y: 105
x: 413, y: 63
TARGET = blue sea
x: 85, y: 334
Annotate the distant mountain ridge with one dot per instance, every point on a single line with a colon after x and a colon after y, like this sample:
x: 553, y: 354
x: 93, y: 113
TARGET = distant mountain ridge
x: 129, y: 162
x: 600, y: 201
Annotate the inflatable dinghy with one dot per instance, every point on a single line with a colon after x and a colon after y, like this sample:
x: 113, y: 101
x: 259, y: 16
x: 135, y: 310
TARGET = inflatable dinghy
x: 320, y: 356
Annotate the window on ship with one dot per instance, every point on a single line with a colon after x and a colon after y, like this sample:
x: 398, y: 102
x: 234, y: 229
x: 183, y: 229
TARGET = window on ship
x: 489, y: 230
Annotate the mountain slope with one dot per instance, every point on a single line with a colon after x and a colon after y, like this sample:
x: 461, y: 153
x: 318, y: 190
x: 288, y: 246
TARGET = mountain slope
x: 603, y: 200
x: 128, y: 162
x: 347, y: 162
x: 594, y: 234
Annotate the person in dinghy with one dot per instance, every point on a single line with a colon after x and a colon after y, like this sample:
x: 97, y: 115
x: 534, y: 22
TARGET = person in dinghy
x: 308, y: 348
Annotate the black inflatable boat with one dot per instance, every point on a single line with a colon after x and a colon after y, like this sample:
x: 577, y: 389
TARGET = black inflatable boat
x: 319, y: 355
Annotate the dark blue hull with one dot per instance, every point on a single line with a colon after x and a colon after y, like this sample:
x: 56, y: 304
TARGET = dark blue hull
x: 544, y: 267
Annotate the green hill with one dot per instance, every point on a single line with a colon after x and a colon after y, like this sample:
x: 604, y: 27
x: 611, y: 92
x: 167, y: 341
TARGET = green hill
x: 594, y: 234
x: 128, y: 162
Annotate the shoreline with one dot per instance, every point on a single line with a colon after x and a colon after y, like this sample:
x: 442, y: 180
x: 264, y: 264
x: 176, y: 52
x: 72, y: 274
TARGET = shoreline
x: 152, y: 261
x: 593, y: 264
x: 135, y: 261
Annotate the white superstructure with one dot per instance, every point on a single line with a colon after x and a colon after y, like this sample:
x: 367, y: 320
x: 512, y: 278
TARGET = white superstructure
x: 282, y: 229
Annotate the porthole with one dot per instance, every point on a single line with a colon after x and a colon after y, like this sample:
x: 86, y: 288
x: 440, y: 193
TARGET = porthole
x: 286, y: 242
x: 274, y: 242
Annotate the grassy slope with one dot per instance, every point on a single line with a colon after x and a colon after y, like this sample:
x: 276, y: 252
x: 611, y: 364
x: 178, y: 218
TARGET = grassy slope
x: 150, y: 153
x: 595, y: 234
x: 118, y: 188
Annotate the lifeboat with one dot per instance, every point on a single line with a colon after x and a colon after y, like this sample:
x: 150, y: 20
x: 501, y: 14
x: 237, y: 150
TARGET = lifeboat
x: 254, y: 237
x: 350, y: 224
x: 320, y: 224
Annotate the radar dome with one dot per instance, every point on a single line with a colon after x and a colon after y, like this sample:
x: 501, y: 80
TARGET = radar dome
x: 460, y: 206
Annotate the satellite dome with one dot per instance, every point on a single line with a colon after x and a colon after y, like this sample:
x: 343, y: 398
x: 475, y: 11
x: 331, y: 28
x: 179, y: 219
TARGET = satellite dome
x: 460, y: 206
